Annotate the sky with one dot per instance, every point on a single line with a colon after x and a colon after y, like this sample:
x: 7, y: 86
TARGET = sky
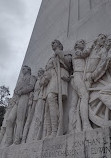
x: 17, y: 19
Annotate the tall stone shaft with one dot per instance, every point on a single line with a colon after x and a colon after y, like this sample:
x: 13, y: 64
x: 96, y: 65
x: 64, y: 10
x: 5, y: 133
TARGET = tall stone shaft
x: 68, y: 21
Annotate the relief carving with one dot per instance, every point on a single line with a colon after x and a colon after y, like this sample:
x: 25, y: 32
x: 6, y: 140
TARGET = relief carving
x: 79, y: 60
x: 36, y: 110
x: 56, y: 83
x: 17, y: 114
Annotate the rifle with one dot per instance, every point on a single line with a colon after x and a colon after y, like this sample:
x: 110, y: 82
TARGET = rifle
x: 60, y: 126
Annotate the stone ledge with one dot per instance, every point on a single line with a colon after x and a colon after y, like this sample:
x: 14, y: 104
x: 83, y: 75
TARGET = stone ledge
x: 90, y: 144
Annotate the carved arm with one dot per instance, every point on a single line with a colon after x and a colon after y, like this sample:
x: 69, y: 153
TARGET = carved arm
x: 29, y: 88
x: 101, y: 68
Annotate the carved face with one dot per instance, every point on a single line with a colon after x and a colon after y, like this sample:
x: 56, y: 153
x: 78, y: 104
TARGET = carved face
x: 101, y: 39
x: 25, y: 70
x: 108, y: 43
x: 56, y: 44
x: 80, y: 45
x: 40, y: 72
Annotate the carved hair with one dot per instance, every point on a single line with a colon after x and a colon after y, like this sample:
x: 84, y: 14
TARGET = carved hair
x: 58, y: 43
x: 80, y: 41
x: 28, y: 68
x: 108, y: 41
x: 95, y: 42
x: 108, y: 44
x: 41, y: 70
x: 101, y: 34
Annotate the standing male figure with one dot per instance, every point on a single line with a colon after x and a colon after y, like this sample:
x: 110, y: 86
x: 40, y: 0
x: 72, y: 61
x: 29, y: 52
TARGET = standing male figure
x: 12, y: 102
x: 105, y: 92
x: 79, y: 60
x: 55, y: 84
x: 18, y: 112
x: 34, y: 121
x: 96, y: 63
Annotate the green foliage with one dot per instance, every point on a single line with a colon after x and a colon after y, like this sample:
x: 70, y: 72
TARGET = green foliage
x: 4, y: 93
x: 2, y: 112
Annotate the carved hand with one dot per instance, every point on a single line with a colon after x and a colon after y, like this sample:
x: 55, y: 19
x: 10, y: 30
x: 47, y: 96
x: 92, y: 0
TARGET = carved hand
x: 67, y: 79
x: 89, y: 78
x: 44, y: 82
x: 78, y: 53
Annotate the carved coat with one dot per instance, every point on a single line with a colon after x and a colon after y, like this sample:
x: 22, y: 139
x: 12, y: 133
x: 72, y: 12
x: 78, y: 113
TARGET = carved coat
x: 37, y: 89
x: 51, y: 76
x: 97, y: 63
x: 26, y: 85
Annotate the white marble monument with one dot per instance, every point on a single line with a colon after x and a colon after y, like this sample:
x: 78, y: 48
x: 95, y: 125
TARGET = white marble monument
x: 63, y: 110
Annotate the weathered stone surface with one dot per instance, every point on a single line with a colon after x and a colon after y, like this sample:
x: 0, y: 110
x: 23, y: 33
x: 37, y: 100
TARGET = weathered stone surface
x: 59, y: 20
x: 94, y: 144
x: 73, y: 92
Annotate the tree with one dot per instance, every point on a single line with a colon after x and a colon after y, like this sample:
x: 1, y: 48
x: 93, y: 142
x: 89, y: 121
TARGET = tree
x: 4, y: 93
x: 2, y: 112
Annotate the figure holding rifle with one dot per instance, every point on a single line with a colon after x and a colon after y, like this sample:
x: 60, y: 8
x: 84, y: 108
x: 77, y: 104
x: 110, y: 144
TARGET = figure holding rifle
x: 55, y: 81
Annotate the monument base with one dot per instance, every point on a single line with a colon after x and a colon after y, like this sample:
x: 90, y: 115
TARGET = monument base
x: 90, y: 144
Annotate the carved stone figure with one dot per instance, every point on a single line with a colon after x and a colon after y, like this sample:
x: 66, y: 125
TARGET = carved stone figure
x: 18, y: 112
x: 36, y: 109
x: 12, y: 102
x: 78, y: 60
x: 55, y: 81
x: 29, y: 117
x: 96, y: 74
x: 100, y: 92
x: 96, y: 65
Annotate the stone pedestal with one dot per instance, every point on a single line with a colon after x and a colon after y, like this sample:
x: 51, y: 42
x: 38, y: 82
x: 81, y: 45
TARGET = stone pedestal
x: 92, y: 144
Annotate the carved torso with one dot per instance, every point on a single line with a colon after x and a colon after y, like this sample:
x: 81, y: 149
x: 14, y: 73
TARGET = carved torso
x: 52, y: 69
x: 78, y: 64
x: 37, y: 89
x: 79, y: 61
x: 94, y: 59
x: 25, y: 80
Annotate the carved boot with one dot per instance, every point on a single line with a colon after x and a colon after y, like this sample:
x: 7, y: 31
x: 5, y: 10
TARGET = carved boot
x: 53, y: 111
x: 2, y: 132
x: 54, y: 128
x: 54, y: 131
x: 17, y: 141
x: 87, y: 126
x: 8, y: 142
x: 9, y: 134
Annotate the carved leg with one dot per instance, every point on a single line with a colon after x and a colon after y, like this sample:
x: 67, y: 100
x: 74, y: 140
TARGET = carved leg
x: 47, y: 122
x: 84, y: 98
x: 41, y: 110
x: 2, y: 132
x: 53, y: 109
x: 10, y: 122
x: 21, y: 114
x: 85, y: 112
x: 27, y: 124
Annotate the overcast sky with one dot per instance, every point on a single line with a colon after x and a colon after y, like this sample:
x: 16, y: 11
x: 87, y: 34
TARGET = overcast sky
x: 17, y: 19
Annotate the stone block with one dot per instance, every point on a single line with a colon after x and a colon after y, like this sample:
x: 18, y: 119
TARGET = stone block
x: 90, y: 144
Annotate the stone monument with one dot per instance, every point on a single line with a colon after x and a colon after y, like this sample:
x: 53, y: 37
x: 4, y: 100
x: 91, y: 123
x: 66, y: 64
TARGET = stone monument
x: 63, y: 110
